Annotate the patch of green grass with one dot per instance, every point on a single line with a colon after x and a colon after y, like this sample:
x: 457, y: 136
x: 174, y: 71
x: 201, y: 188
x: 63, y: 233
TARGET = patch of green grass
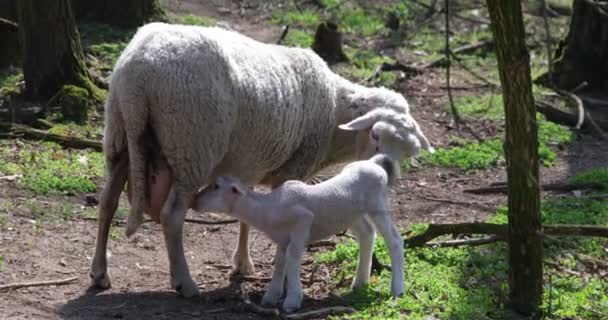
x: 76, y: 130
x: 8, y: 82
x: 488, y: 106
x: 47, y: 168
x: 109, y: 52
x: 191, y: 19
x: 443, y: 283
x: 298, y: 38
x: 304, y: 18
x: 597, y: 175
x: 363, y: 64
x: 354, y: 19
x: 470, y: 156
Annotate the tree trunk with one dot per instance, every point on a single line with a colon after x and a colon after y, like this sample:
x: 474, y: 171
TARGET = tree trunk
x: 583, y: 54
x: 8, y: 9
x: 52, y: 54
x: 9, y: 42
x: 124, y: 13
x: 521, y: 150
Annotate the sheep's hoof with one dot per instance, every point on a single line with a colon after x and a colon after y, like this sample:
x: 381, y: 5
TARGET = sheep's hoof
x: 187, y: 289
x: 292, y: 303
x: 244, y: 267
x: 101, y: 281
x: 270, y: 299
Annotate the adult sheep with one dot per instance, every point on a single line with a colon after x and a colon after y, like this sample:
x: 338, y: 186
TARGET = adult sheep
x: 187, y: 104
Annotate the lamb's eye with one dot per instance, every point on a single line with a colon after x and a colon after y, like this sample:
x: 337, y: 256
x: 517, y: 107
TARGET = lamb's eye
x: 374, y: 136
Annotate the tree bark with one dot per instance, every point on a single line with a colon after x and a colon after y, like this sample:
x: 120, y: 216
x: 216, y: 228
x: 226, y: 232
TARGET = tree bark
x: 52, y: 54
x: 124, y: 13
x: 583, y: 54
x: 9, y: 42
x: 521, y: 150
x: 8, y: 9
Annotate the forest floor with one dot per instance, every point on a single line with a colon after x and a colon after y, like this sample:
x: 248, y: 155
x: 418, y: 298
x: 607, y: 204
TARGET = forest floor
x: 47, y: 193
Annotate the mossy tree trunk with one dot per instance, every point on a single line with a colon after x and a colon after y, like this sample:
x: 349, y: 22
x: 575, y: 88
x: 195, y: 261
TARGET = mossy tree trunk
x: 52, y: 54
x: 124, y: 13
x: 521, y: 150
x: 583, y: 54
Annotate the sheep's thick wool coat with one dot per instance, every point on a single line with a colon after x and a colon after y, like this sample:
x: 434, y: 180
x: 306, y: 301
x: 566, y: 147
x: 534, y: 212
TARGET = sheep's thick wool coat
x: 219, y: 103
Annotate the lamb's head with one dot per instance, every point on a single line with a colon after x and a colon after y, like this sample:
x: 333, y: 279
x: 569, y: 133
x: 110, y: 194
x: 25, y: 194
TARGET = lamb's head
x: 219, y: 196
x: 387, y: 131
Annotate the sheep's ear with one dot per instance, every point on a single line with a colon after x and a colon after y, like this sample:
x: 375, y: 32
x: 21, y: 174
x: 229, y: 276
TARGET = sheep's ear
x: 423, y: 140
x: 363, y: 122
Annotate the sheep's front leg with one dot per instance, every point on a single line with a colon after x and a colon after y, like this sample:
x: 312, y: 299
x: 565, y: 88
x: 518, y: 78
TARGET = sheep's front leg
x: 172, y: 219
x: 386, y: 227
x: 365, y: 234
x: 108, y: 202
x: 297, y: 242
x: 241, y: 260
x: 272, y: 296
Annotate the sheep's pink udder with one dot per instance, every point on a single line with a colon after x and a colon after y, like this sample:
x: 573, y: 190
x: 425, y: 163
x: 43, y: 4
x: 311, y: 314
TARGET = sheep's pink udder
x: 158, y: 189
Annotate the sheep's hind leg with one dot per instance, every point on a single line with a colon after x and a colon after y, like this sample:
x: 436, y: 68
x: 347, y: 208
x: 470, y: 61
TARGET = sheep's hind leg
x: 386, y: 227
x: 275, y: 291
x: 172, y: 219
x: 365, y: 234
x: 241, y: 259
x: 118, y: 170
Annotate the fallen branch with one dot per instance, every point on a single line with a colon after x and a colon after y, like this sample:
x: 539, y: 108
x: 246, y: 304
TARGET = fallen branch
x: 465, y: 242
x: 501, y: 187
x: 318, y: 312
x: 35, y: 134
x: 500, y: 231
x: 209, y: 222
x: 255, y: 307
x: 13, y: 286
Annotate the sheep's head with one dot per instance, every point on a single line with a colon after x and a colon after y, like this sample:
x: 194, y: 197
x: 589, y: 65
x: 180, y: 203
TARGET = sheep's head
x: 363, y: 100
x: 219, y: 196
x: 387, y: 131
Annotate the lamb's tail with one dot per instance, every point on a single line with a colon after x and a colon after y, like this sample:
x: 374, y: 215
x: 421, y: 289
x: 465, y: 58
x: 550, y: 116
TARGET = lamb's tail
x: 388, y: 164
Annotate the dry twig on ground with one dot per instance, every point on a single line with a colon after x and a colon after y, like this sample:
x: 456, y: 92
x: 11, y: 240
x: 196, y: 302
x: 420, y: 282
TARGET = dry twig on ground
x: 13, y: 286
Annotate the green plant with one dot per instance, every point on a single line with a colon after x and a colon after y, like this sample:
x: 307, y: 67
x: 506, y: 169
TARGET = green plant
x: 304, y: 18
x: 298, y: 38
x: 597, y: 175
x: 467, y: 157
x: 191, y: 19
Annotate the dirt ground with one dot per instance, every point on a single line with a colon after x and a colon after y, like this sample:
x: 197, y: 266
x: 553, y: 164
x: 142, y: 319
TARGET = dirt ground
x: 139, y: 266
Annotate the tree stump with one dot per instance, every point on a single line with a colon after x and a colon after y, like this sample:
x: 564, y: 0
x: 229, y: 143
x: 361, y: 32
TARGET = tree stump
x: 328, y: 43
x: 583, y: 54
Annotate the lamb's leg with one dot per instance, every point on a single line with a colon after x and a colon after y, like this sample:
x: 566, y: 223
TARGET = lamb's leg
x: 365, y: 234
x: 241, y: 260
x: 117, y: 174
x: 386, y: 227
x: 297, y: 242
x: 275, y: 291
x: 172, y: 219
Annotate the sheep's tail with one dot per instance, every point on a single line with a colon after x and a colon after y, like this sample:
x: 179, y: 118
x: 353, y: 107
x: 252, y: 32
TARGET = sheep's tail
x: 390, y: 167
x: 135, y: 133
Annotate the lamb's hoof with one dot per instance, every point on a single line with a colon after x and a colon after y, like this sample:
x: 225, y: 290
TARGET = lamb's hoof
x: 397, y: 292
x: 356, y: 285
x: 292, y: 303
x: 242, y: 268
x: 187, y: 289
x: 101, y: 281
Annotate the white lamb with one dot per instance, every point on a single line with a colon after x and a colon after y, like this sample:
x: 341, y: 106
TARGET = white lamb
x: 295, y: 214
x: 187, y: 104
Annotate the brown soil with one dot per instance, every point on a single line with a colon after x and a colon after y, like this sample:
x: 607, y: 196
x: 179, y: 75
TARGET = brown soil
x: 139, y: 266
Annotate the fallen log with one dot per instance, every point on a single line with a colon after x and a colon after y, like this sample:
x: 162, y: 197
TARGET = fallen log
x: 565, y: 187
x: 35, y: 134
x: 500, y: 231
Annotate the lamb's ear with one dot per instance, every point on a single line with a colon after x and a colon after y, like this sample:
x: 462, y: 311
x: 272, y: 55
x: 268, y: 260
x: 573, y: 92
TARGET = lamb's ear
x: 363, y: 122
x: 423, y: 140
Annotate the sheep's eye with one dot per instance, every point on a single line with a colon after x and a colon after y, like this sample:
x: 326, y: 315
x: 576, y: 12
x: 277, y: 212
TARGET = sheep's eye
x: 216, y: 186
x: 374, y: 136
